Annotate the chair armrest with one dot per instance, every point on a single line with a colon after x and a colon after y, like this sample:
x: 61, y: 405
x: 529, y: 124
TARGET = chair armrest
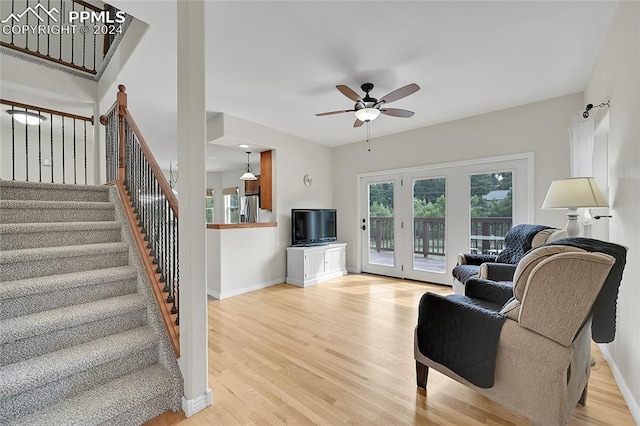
x: 475, y: 259
x: 491, y: 291
x: 462, y: 336
x: 497, y: 271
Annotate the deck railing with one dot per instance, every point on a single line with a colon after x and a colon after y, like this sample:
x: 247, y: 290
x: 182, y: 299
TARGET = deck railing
x: 487, y: 234
x: 151, y: 206
x: 44, y: 145
x: 73, y: 33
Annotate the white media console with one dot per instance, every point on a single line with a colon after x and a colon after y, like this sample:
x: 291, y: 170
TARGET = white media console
x: 311, y: 265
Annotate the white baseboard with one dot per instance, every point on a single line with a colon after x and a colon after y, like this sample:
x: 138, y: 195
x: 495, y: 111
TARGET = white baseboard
x: 192, y: 406
x: 634, y: 408
x: 242, y: 290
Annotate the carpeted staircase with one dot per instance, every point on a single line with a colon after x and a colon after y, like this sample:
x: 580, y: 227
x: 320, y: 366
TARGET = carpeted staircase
x: 81, y: 338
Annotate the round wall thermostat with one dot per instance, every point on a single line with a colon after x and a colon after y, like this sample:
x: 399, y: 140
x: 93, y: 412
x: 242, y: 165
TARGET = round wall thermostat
x: 307, y: 180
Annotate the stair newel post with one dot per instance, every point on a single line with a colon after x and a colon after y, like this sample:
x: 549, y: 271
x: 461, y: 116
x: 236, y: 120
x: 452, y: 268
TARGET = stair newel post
x: 122, y: 111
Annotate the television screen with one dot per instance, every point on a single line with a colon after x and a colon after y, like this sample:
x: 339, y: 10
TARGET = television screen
x: 313, y: 226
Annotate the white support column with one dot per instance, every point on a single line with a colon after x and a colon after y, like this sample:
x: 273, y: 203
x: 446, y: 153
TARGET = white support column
x: 192, y: 220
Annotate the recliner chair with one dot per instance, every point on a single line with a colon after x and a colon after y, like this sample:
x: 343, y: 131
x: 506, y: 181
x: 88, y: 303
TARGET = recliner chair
x: 532, y: 354
x: 501, y: 267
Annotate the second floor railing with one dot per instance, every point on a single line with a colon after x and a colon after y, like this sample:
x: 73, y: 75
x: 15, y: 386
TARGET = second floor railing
x: 487, y: 234
x: 45, y: 145
x: 153, y: 207
x: 73, y: 33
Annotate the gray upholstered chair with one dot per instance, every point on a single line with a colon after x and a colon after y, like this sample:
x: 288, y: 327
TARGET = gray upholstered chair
x: 500, y: 267
x: 530, y: 355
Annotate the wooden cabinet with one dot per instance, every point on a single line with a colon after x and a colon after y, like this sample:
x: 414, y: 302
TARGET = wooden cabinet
x: 252, y: 187
x: 266, y: 188
x: 311, y: 265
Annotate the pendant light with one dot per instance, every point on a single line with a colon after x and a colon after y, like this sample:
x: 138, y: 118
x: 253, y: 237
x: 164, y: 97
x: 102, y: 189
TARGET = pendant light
x: 248, y: 175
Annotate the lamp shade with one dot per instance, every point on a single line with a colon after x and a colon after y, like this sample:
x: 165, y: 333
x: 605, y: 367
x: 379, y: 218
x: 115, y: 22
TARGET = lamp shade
x: 574, y: 193
x: 367, y: 114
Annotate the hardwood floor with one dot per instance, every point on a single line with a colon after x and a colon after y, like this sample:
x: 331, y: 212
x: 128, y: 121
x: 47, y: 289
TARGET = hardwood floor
x: 341, y: 352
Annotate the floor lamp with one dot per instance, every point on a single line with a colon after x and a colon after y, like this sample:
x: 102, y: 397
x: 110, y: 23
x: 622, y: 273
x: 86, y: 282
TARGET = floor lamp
x: 572, y: 194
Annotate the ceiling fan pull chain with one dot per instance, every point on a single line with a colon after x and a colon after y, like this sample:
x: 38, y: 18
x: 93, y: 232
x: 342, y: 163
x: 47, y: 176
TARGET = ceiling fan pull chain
x: 368, y: 136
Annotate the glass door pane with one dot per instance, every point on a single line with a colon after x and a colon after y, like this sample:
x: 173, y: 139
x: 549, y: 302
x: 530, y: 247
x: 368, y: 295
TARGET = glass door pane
x: 381, y: 224
x: 491, y: 206
x: 428, y: 237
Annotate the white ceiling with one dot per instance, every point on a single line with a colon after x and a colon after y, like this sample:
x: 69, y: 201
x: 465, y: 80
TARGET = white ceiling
x: 277, y: 63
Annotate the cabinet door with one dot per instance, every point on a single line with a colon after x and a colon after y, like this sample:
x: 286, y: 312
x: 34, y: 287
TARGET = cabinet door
x: 313, y: 264
x: 252, y: 187
x: 334, y: 260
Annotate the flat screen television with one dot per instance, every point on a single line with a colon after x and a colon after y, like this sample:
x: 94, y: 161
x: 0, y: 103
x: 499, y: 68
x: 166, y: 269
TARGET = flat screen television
x: 313, y: 227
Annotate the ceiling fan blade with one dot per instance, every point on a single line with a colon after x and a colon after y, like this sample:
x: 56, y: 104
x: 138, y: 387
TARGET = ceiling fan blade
x: 348, y: 92
x: 322, y: 114
x: 358, y: 123
x: 399, y: 93
x: 395, y: 112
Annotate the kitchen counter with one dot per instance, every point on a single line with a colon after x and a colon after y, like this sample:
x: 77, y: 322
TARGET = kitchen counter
x: 241, y: 225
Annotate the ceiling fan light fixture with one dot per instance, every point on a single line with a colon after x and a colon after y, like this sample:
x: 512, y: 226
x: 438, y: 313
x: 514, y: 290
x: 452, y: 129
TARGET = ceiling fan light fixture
x: 367, y: 114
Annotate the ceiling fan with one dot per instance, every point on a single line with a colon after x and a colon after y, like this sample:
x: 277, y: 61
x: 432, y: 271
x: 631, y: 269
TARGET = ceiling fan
x: 368, y: 109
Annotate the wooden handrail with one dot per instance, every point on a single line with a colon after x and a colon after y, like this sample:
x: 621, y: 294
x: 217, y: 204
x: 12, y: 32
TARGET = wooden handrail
x: 87, y: 5
x: 155, y: 168
x: 104, y: 118
x: 46, y: 110
x: 155, y: 227
x: 147, y: 260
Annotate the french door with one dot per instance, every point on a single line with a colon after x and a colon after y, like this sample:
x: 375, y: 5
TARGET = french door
x: 414, y: 223
x: 380, y: 225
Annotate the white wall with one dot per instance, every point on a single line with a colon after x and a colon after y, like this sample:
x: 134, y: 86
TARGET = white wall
x: 616, y: 76
x: 540, y: 128
x: 241, y: 260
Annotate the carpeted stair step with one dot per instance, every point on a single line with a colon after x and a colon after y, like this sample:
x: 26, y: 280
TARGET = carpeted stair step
x: 129, y: 400
x: 29, y: 263
x: 36, y: 383
x: 14, y: 236
x: 31, y: 295
x: 14, y: 190
x: 35, y: 211
x: 29, y: 336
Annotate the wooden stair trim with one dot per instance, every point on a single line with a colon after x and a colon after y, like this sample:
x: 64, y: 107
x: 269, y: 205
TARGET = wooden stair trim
x: 154, y: 278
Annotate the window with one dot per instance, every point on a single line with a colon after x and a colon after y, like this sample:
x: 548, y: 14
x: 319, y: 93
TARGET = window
x: 491, y: 206
x: 209, y: 205
x: 231, y: 205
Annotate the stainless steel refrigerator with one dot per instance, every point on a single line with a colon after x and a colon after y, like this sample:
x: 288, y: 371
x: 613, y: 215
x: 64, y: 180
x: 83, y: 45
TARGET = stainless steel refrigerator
x: 250, y: 209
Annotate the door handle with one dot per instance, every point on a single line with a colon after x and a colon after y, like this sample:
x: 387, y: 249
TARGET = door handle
x: 364, y: 227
